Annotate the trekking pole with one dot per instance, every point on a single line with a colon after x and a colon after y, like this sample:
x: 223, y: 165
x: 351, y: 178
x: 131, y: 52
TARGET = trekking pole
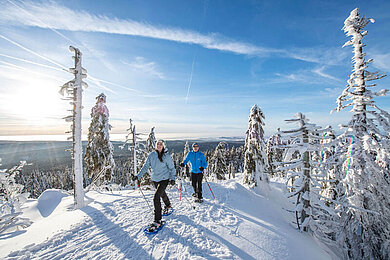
x: 143, y: 195
x: 180, y: 189
x: 209, y: 186
x: 185, y: 198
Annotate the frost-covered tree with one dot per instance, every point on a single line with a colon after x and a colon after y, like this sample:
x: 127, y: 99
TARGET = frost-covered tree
x: 256, y: 163
x: 232, y: 171
x: 11, y: 199
x: 239, y: 158
x: 144, y: 151
x: 151, y: 141
x: 219, y: 167
x: 328, y: 159
x: 304, y: 177
x: 99, y: 153
x: 274, y: 152
x: 74, y: 91
x: 365, y: 232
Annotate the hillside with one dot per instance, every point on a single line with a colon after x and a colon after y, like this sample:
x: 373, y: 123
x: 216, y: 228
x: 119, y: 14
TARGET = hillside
x: 241, y: 224
x: 53, y: 155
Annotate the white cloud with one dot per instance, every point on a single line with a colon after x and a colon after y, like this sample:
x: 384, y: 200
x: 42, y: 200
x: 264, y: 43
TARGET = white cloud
x: 140, y: 64
x: 382, y: 62
x: 56, y: 17
x: 320, y: 72
x: 314, y: 76
x: 332, y: 92
x: 321, y: 55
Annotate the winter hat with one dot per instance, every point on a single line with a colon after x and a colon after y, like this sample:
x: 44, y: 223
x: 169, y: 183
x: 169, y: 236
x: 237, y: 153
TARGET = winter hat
x: 194, y: 144
x: 161, y: 141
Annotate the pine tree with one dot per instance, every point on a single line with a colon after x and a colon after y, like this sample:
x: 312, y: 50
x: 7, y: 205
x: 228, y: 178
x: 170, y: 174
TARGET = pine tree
x: 11, y: 200
x: 274, y: 152
x: 328, y: 160
x: 151, y: 141
x: 144, y: 151
x: 240, y: 155
x: 366, y: 218
x: 99, y: 153
x: 219, y: 167
x: 312, y: 213
x: 256, y: 163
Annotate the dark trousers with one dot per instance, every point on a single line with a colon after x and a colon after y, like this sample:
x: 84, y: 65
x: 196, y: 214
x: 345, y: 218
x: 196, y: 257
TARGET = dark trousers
x: 160, y: 193
x: 197, y: 183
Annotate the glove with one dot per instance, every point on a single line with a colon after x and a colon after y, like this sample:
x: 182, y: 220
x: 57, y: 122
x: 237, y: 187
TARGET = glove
x: 201, y: 168
x: 172, y: 182
x: 182, y: 165
x: 134, y: 178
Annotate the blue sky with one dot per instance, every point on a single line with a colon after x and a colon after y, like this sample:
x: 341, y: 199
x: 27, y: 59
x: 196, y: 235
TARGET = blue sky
x: 190, y: 68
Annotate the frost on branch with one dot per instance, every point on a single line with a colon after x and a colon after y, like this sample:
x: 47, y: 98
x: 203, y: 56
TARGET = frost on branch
x: 99, y: 153
x: 365, y: 201
x: 256, y: 163
x: 11, y: 200
x: 305, y: 176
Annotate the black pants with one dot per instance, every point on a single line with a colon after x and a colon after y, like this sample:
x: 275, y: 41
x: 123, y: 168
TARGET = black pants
x: 197, y: 183
x: 160, y: 193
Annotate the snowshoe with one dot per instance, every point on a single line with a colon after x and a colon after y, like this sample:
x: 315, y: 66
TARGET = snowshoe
x: 167, y: 211
x: 154, y: 227
x: 194, y: 195
x: 198, y: 200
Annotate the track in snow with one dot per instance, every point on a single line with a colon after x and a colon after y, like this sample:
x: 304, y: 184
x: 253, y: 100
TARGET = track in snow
x: 227, y: 229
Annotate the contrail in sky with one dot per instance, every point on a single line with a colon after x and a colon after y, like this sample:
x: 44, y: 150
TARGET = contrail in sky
x: 20, y: 68
x: 31, y: 62
x: 95, y: 80
x: 39, y: 20
x: 33, y: 52
x: 189, y: 83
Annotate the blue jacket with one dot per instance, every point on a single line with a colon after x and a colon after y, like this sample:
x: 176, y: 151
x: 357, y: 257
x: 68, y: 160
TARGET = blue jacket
x: 197, y: 160
x: 164, y: 170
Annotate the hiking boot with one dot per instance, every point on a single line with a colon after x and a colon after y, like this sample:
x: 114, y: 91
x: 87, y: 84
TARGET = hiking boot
x: 166, y: 210
x: 155, y: 225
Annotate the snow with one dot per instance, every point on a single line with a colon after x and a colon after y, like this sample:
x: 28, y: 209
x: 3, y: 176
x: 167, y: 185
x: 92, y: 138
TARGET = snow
x: 242, y: 224
x: 48, y: 201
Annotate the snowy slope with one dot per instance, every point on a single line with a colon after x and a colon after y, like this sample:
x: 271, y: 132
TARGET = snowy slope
x: 241, y: 224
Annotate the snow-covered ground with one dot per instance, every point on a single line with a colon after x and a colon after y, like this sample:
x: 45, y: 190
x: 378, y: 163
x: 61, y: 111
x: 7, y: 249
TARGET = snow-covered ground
x: 241, y: 224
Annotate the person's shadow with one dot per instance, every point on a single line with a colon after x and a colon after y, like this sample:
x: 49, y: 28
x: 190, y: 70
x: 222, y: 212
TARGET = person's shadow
x: 115, y: 233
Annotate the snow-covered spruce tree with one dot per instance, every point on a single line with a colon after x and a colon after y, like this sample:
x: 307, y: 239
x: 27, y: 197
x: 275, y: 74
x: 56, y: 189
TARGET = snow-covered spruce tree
x: 256, y: 163
x: 99, y: 153
x: 240, y: 155
x: 232, y: 171
x: 328, y: 161
x: 129, y: 141
x: 304, y: 177
x: 234, y: 162
x: 151, y: 141
x: 274, y: 152
x: 219, y: 167
x: 366, y: 220
x: 11, y: 199
x: 144, y: 151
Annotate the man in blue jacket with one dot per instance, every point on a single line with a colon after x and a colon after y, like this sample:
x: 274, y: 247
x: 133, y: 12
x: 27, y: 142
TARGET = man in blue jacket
x: 198, y: 164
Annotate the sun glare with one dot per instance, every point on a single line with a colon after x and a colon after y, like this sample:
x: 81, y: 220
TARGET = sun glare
x: 36, y: 100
